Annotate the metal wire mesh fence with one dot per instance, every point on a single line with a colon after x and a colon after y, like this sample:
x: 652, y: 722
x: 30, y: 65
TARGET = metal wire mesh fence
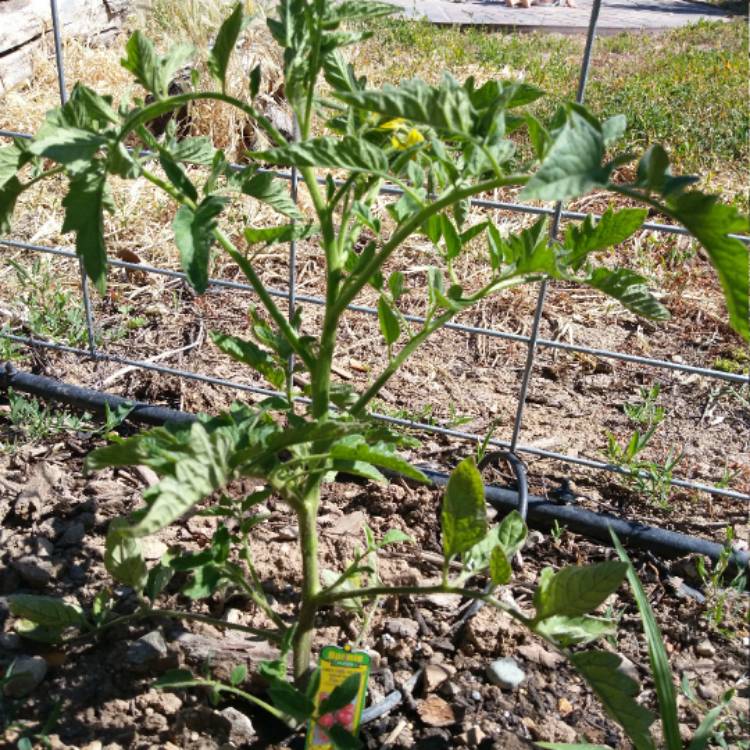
x: 533, y: 342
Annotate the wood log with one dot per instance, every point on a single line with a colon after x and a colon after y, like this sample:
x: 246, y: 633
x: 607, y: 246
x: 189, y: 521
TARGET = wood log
x: 26, y: 25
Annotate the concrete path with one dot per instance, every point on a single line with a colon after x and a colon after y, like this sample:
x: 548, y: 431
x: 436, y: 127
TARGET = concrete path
x: 615, y: 16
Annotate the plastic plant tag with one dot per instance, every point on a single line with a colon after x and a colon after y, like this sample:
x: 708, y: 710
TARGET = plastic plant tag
x: 336, y: 666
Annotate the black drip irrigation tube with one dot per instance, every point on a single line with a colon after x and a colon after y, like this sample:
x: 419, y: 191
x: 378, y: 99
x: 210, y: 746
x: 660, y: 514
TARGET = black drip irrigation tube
x: 541, y: 513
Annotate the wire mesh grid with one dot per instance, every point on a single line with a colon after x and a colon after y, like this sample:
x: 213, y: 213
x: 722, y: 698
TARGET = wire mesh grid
x: 533, y: 342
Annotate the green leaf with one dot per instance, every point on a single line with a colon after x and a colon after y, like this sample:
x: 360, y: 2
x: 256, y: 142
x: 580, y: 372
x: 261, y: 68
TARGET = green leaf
x: 199, y: 150
x: 443, y: 107
x: 153, y: 72
x: 389, y: 323
x: 84, y: 205
x: 500, y: 571
x: 291, y: 701
x: 628, y: 288
x: 354, y: 154
x: 38, y: 633
x: 611, y: 229
x: 657, y: 654
x: 193, y: 234
x: 528, y: 252
x: 394, y: 536
x: 354, y: 448
x: 158, y: 578
x: 452, y: 238
x: 616, y: 691
x: 9, y: 162
x: 341, y: 696
x: 204, y: 581
x: 176, y: 679
x: 571, y: 746
x: 512, y: 533
x: 238, y: 675
x: 355, y: 10
x: 655, y: 174
x: 123, y: 558
x: 704, y: 732
x: 711, y: 222
x: 250, y: 354
x: 570, y: 631
x: 577, y: 589
x: 9, y: 193
x: 339, y: 74
x: 73, y: 147
x: 226, y: 39
x: 46, y: 611
x: 613, y: 128
x: 264, y: 187
x: 464, y: 515
x: 573, y: 164
x: 176, y: 175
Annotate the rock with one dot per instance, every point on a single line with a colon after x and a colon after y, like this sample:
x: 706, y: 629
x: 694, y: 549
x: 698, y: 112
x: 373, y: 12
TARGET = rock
x: 555, y: 730
x: 539, y: 655
x: 4, y: 610
x: 402, y: 627
x: 152, y: 548
x: 709, y: 691
x: 474, y: 736
x: 564, y: 706
x: 705, y: 649
x: 241, y: 730
x: 9, y: 642
x: 27, y: 673
x: 505, y: 673
x: 148, y: 652
x: 533, y: 539
x: 95, y: 745
x: 73, y: 534
x: 629, y: 669
x: 476, y: 696
x: 450, y: 690
x: 436, y: 712
x: 434, y: 675
x: 33, y: 572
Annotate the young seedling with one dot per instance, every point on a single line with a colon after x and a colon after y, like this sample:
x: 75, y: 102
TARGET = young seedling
x: 440, y: 145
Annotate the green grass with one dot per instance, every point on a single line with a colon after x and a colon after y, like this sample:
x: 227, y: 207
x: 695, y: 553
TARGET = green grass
x: 686, y: 89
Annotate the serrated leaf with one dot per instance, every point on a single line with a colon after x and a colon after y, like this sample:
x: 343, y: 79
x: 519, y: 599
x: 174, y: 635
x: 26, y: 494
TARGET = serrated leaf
x: 354, y: 154
x: 226, y: 39
x: 84, y: 206
x: 611, y: 229
x: 9, y: 193
x: 250, y: 354
x: 153, y: 72
x: 443, y: 107
x: 354, y: 448
x: 176, y: 175
x: 573, y: 164
x: 270, y: 190
x: 630, y: 289
x: 711, y: 222
x: 9, y: 162
x: 500, y: 570
x: 291, y: 701
x: 464, y: 515
x: 193, y: 234
x: 390, y: 326
x: 654, y: 173
x: 204, y: 581
x: 158, y: 578
x: 71, y: 146
x: 569, y: 631
x: 198, y: 150
x: 123, y: 558
x: 577, y: 589
x: 617, y: 692
x: 47, y: 611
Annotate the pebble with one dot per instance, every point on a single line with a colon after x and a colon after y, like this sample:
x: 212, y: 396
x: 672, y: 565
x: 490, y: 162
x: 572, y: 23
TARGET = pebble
x: 9, y: 642
x: 147, y: 651
x: 152, y: 549
x: 629, y: 669
x: 434, y: 675
x: 450, y: 690
x: 476, y: 696
x: 33, y: 572
x: 28, y: 672
x: 402, y: 627
x: 241, y: 729
x: 505, y: 673
x: 705, y: 649
x: 73, y: 535
x: 473, y: 736
x: 4, y: 610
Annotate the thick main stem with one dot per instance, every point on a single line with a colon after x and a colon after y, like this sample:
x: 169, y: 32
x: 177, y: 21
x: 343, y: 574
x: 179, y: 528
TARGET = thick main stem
x: 307, y: 515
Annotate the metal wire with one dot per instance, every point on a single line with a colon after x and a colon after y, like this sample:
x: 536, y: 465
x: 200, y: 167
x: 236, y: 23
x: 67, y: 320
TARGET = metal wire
x: 533, y: 341
x: 365, y: 309
x: 542, y: 296
x: 60, y: 64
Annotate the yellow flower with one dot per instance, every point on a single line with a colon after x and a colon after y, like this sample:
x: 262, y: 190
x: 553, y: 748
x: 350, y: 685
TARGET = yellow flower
x: 401, y: 141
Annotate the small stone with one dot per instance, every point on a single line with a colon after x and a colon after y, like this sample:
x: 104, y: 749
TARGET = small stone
x: 402, y: 627
x: 26, y: 675
x: 33, y: 572
x: 450, y: 690
x: 435, y: 712
x: 709, y: 691
x: 476, y: 696
x: 44, y: 548
x: 474, y: 736
x: 73, y: 535
x: 434, y: 676
x: 152, y: 548
x: 241, y: 730
x: 629, y: 669
x: 564, y: 706
x: 533, y: 539
x: 505, y: 673
x: 705, y: 649
x: 95, y: 745
x: 4, y: 610
x: 147, y: 652
x: 9, y: 642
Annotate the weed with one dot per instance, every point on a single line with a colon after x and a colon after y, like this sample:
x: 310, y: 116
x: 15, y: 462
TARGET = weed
x: 36, y: 422
x: 558, y: 530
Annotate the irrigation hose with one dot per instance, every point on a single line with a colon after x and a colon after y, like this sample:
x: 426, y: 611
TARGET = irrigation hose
x: 542, y: 513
